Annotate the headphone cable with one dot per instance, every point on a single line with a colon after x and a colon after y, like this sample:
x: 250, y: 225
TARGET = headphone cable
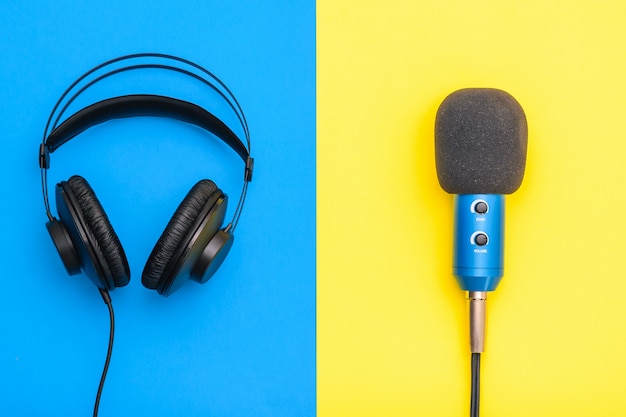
x: 107, y: 300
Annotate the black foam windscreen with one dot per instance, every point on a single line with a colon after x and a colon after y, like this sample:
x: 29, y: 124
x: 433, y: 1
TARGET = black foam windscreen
x: 481, y: 138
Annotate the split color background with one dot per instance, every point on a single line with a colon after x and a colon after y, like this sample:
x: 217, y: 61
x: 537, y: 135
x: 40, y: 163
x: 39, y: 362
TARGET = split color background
x: 391, y: 321
x: 391, y: 324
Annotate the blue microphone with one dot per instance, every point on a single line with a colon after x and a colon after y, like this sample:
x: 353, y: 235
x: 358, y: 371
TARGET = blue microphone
x: 478, y: 259
x: 481, y: 139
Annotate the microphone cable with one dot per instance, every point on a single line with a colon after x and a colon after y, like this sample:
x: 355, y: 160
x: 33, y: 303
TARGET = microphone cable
x: 107, y: 300
x: 475, y: 397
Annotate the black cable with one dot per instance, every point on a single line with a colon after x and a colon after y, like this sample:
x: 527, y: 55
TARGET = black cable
x: 475, y: 399
x: 107, y: 300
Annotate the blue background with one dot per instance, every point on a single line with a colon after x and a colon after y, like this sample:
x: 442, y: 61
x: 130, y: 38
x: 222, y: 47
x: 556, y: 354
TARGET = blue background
x: 244, y: 343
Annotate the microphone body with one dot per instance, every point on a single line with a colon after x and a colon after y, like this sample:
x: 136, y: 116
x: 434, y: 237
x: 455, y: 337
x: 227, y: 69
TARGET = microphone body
x: 478, y: 254
x: 480, y: 152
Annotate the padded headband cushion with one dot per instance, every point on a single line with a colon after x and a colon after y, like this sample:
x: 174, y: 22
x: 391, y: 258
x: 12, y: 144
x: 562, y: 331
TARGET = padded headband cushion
x: 175, y: 232
x: 143, y: 105
x: 102, y: 230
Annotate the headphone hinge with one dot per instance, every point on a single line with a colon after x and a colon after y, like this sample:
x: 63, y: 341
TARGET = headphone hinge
x: 249, y: 169
x: 44, y: 156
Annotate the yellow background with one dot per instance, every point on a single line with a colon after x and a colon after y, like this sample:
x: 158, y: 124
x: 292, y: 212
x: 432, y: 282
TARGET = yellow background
x: 392, y: 322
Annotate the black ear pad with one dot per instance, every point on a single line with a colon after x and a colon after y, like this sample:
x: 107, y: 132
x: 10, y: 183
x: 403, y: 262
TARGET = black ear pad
x: 196, y: 221
x: 101, y: 240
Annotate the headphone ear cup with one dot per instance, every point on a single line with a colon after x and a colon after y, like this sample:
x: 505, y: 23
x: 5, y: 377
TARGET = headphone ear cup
x: 196, y: 220
x: 87, y: 225
x: 64, y: 245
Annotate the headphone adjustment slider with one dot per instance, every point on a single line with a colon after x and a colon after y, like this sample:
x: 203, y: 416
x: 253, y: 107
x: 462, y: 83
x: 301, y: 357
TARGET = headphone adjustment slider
x: 44, y: 156
x: 249, y: 169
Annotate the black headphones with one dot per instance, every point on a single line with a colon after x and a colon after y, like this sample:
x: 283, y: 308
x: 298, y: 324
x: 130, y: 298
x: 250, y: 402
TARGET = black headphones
x: 194, y: 243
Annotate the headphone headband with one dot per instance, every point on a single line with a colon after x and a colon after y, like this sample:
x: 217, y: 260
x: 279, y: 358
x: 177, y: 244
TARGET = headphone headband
x: 142, y: 105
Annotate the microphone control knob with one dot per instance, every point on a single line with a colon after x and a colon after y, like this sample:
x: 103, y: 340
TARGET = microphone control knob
x: 480, y: 239
x: 481, y: 207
